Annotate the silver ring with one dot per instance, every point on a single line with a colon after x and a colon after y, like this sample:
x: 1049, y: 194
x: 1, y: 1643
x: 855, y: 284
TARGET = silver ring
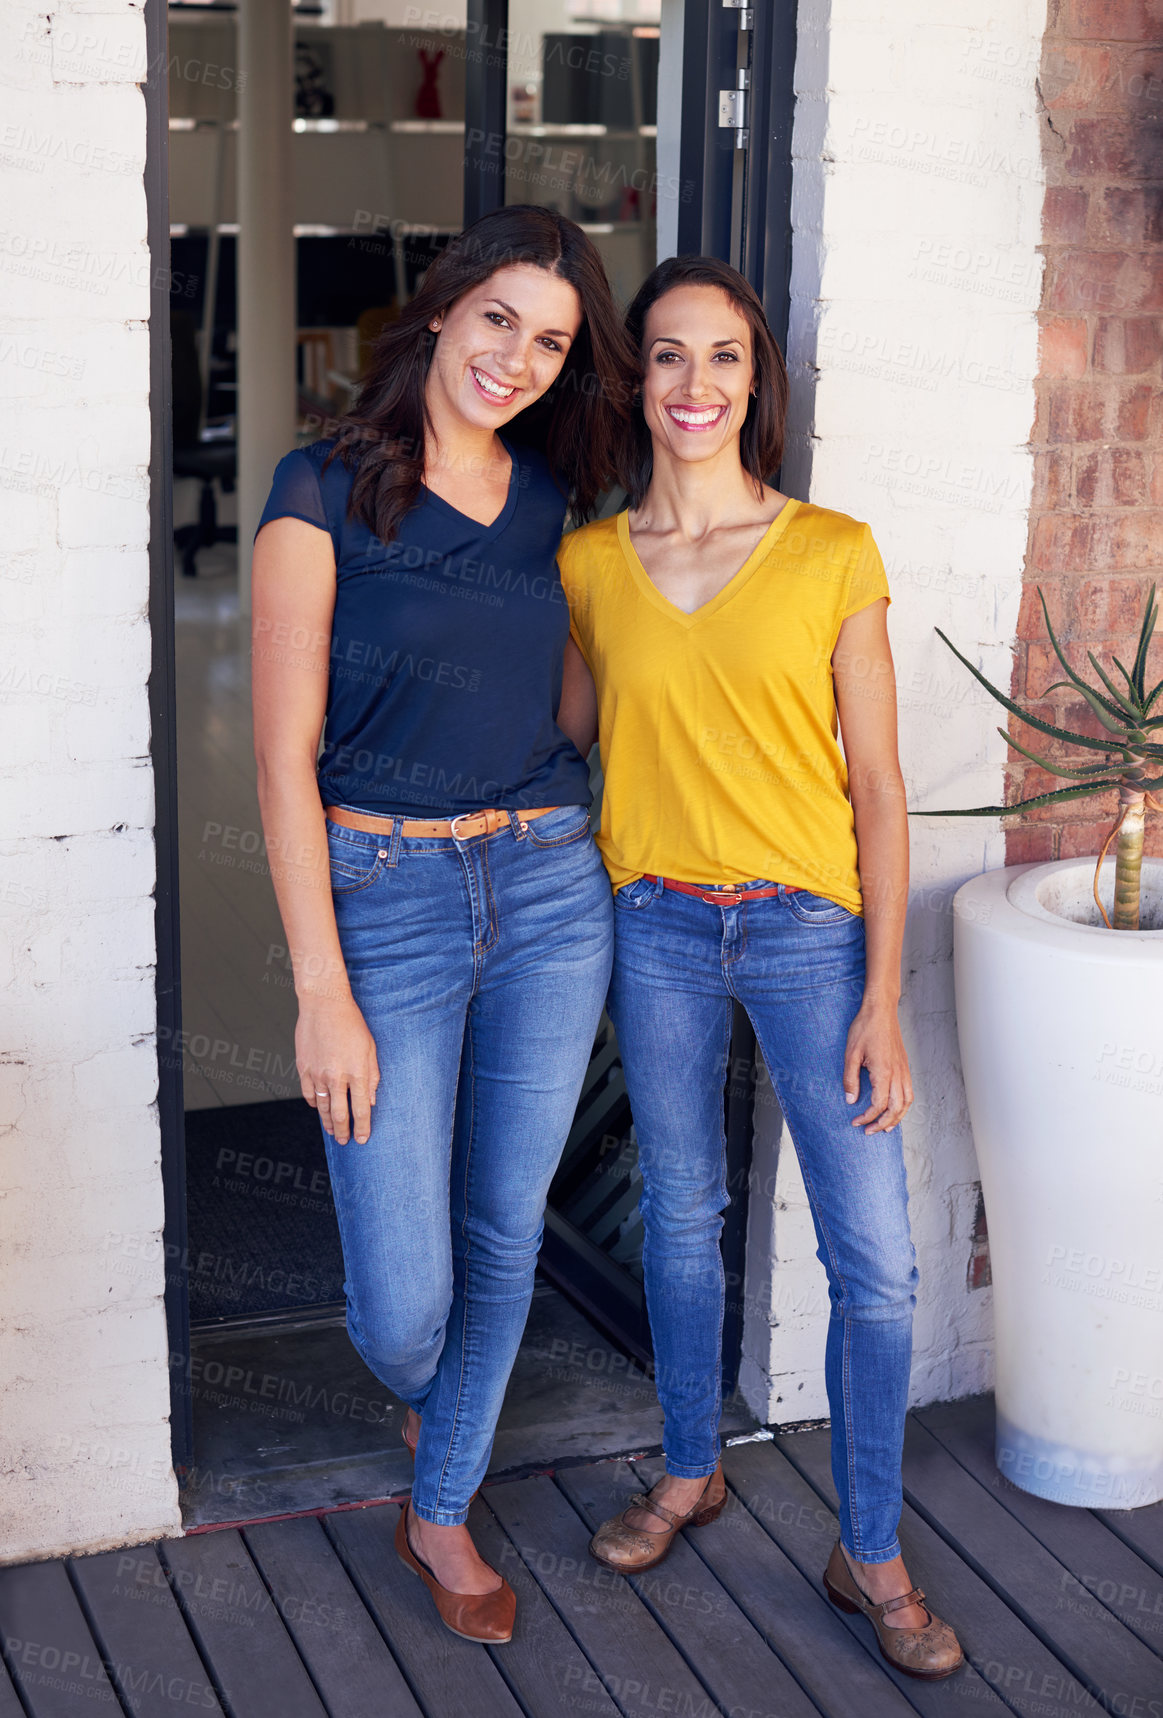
x: 320, y: 1094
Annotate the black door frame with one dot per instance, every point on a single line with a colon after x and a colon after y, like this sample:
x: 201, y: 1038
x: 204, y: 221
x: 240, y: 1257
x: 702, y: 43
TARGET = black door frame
x: 706, y: 162
x: 766, y: 236
x: 486, y: 108
x: 163, y: 736
x: 763, y: 240
x: 755, y: 238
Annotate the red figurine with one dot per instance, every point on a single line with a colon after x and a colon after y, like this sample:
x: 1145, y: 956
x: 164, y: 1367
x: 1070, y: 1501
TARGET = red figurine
x: 428, y: 95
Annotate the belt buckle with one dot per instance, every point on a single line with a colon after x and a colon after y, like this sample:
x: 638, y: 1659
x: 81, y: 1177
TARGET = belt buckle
x: 725, y: 896
x: 461, y: 818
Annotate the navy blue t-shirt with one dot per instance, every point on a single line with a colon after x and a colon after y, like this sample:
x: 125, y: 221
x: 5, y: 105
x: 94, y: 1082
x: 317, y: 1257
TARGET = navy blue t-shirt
x: 446, y: 647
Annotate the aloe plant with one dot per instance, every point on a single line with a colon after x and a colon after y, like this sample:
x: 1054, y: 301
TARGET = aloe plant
x: 1132, y: 763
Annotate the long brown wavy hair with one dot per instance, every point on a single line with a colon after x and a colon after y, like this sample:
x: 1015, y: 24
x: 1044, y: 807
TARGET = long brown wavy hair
x: 762, y: 435
x: 578, y: 423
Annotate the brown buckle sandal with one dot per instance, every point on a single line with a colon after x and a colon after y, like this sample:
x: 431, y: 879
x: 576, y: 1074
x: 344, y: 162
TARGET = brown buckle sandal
x: 928, y: 1653
x: 632, y: 1549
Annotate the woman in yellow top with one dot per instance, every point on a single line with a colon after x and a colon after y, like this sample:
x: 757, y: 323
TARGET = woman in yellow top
x: 728, y: 634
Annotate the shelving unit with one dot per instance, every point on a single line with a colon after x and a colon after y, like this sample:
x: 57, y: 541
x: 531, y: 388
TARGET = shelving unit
x: 375, y: 174
x: 523, y: 128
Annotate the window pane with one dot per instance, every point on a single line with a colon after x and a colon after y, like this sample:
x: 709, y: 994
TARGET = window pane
x: 583, y: 110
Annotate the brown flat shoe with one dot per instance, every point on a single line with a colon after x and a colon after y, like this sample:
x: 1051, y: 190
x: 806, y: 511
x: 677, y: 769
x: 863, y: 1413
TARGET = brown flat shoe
x: 929, y: 1653
x: 632, y: 1549
x: 484, y: 1617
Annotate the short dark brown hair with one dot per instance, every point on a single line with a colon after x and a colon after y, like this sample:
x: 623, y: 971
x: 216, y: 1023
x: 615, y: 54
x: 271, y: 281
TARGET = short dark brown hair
x: 761, y: 438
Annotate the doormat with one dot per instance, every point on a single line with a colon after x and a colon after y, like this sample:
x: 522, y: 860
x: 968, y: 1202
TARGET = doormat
x: 262, y: 1233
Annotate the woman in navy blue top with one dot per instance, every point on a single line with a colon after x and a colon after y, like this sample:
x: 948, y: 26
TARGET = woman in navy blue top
x: 445, y: 661
x: 448, y: 916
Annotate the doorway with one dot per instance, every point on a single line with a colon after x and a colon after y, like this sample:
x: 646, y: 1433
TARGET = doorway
x: 401, y: 134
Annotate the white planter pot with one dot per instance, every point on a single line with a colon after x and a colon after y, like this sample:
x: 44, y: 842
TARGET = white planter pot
x: 1060, y: 1023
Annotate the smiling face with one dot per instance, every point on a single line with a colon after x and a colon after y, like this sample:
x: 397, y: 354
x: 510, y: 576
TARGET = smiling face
x: 501, y: 345
x: 698, y: 372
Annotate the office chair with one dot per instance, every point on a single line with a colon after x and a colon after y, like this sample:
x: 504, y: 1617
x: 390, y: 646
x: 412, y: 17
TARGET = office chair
x: 210, y: 461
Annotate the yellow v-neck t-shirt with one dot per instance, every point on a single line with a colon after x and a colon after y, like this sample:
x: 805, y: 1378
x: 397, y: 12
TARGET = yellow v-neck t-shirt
x: 718, y: 729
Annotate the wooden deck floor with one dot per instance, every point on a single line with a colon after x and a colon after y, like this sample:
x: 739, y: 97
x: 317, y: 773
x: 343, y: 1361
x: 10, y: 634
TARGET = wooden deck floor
x: 1060, y: 1611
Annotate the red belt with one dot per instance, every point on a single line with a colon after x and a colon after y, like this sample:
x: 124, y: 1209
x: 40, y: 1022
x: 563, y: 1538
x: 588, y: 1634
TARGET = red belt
x: 720, y: 894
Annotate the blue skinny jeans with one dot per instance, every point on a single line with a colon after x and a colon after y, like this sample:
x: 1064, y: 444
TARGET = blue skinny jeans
x: 796, y: 963
x: 481, y: 968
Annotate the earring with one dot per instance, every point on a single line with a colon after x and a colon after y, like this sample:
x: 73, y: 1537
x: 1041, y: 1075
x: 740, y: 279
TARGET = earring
x: 434, y: 325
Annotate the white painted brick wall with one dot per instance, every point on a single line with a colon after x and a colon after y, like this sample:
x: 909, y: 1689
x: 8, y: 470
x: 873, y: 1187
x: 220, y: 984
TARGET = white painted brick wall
x: 915, y: 284
x: 84, y: 1438
x: 912, y: 350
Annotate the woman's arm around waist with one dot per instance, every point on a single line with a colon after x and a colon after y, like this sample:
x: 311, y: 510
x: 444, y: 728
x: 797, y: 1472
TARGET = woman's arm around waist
x: 577, y: 714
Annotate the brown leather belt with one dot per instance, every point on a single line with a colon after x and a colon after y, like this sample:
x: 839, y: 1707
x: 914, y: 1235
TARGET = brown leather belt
x: 720, y: 894
x: 464, y: 827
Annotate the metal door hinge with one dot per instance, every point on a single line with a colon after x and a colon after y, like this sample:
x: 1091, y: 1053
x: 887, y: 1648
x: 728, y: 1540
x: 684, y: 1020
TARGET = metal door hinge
x: 746, y: 13
x: 733, y: 110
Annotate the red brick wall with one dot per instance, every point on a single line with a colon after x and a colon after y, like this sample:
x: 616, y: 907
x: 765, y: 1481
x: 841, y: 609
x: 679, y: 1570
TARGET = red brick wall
x: 1096, y: 524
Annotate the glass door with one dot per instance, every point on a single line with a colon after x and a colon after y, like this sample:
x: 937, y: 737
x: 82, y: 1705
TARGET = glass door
x: 581, y: 137
x: 582, y: 125
x: 632, y: 118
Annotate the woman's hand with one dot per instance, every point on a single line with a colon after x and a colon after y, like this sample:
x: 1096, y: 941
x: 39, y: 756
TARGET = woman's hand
x: 335, y: 1055
x: 875, y: 1043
